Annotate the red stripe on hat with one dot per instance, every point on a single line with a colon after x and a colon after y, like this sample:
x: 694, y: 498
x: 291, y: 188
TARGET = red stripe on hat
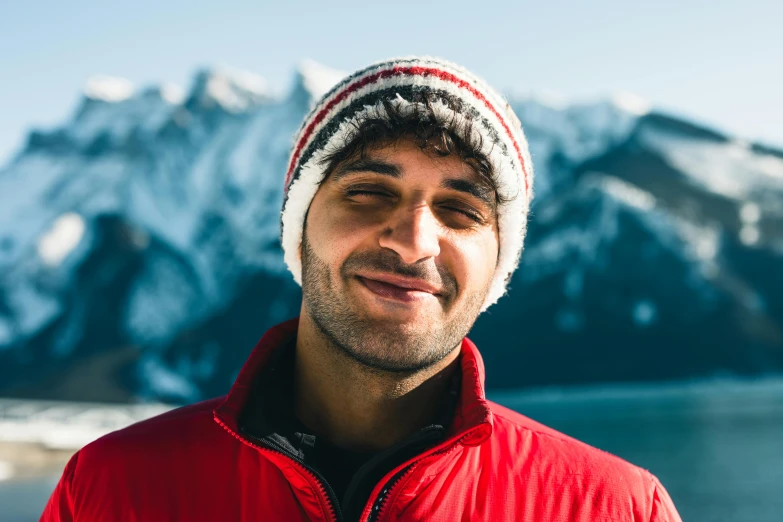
x: 399, y: 70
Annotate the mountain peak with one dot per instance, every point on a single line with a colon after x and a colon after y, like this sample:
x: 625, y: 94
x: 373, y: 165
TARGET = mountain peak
x: 233, y: 90
x: 168, y: 92
x: 108, y: 88
x: 631, y: 102
x: 316, y: 79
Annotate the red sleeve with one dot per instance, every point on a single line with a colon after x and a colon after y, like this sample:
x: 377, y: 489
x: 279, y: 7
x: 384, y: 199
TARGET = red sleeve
x: 60, y: 505
x: 663, y: 509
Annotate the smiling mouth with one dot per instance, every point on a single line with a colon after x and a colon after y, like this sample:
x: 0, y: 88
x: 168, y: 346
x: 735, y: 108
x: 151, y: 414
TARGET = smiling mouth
x: 397, y: 293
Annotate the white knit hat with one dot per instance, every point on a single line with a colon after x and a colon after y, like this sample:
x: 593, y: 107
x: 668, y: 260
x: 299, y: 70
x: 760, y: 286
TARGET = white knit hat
x: 361, y: 96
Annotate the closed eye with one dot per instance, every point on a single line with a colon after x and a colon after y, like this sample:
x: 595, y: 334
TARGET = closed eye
x: 354, y: 192
x: 471, y: 215
x: 359, y: 192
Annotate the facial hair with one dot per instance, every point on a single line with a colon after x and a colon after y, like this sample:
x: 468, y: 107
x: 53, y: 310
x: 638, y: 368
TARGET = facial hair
x: 385, y: 344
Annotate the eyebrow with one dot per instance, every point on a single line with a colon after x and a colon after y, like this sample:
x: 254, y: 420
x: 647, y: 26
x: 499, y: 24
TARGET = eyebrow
x: 481, y: 191
x: 367, y: 165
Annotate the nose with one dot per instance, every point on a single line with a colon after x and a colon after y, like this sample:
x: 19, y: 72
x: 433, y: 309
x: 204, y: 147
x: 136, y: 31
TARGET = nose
x: 413, y: 234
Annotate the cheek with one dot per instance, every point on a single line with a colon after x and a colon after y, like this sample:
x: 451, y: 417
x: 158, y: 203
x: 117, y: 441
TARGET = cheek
x: 347, y: 225
x: 477, y: 259
x: 333, y: 234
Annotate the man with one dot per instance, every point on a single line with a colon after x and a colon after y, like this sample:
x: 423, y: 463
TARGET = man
x: 404, y: 217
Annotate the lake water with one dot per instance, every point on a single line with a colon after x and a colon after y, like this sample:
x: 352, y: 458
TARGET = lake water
x: 717, y: 447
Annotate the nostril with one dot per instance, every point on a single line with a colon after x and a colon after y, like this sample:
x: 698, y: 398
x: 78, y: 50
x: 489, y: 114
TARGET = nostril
x: 411, y: 241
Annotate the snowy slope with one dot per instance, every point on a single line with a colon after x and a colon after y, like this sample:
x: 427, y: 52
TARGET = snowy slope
x: 139, y: 243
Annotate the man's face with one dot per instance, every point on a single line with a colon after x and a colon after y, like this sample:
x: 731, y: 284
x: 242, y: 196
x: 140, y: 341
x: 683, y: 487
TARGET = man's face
x: 381, y: 226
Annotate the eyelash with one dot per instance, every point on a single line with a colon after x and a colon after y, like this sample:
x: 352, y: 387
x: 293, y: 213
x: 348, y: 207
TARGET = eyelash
x: 354, y: 192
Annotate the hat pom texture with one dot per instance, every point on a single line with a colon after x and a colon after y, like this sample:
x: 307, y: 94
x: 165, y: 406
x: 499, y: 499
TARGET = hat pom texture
x: 360, y: 96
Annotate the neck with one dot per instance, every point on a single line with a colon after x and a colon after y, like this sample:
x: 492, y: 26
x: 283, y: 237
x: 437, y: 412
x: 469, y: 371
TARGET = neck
x: 358, y: 407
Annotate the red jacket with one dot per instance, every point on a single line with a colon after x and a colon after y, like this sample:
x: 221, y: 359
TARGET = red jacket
x: 494, y: 464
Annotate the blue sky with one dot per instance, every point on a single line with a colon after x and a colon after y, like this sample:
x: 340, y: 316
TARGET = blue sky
x: 719, y: 62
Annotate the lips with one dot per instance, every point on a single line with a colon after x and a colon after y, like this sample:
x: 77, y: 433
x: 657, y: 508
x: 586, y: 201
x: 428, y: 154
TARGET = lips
x: 412, y: 291
x: 407, y: 283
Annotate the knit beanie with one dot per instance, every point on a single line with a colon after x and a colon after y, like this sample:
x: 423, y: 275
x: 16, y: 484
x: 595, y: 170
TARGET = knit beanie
x: 360, y: 96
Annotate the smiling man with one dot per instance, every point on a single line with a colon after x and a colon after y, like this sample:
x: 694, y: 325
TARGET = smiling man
x: 404, y: 217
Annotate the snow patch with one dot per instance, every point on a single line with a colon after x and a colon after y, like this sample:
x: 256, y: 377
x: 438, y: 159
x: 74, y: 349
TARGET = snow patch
x: 749, y: 235
x: 729, y: 169
x: 739, y: 150
x: 750, y: 213
x: 701, y: 241
x: 235, y: 90
x: 627, y: 193
x: 770, y: 166
x: 172, y: 93
x: 249, y: 81
x: 319, y: 79
x: 61, y: 238
x: 632, y: 103
x: 108, y: 88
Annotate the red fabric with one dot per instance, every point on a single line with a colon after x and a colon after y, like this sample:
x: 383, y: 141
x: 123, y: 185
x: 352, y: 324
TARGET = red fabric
x: 495, y: 464
x: 406, y: 71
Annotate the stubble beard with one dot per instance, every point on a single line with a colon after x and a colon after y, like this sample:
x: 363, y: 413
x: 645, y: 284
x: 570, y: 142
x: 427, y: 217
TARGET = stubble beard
x: 378, y: 344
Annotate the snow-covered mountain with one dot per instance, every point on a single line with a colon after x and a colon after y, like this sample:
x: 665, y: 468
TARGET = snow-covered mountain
x: 139, y: 250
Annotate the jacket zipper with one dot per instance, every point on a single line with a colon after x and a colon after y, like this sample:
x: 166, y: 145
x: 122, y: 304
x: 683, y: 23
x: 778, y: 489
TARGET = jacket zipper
x: 380, y: 500
x: 375, y: 512
x: 325, y: 488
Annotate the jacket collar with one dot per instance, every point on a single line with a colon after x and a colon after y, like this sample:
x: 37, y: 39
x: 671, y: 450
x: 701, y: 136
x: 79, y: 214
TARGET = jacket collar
x: 472, y: 413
